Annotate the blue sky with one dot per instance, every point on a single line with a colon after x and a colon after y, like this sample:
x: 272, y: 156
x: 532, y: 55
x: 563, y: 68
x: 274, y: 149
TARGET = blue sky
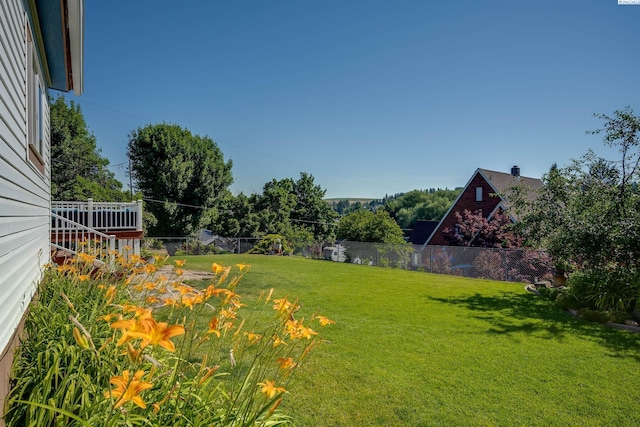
x: 370, y: 97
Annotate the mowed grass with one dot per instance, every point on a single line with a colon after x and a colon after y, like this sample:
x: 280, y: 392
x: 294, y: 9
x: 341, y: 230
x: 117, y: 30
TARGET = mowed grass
x: 416, y: 349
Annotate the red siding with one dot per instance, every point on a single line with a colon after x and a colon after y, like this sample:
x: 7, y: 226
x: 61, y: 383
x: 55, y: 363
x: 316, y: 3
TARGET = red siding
x: 467, y: 201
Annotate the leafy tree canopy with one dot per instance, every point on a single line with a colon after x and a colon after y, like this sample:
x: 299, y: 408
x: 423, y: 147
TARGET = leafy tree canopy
x: 407, y: 208
x: 473, y: 229
x: 183, y: 176
x: 293, y: 209
x: 588, y: 216
x: 367, y: 226
x: 78, y: 171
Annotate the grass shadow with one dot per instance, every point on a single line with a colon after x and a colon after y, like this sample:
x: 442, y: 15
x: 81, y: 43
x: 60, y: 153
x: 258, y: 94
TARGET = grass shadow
x: 511, y: 313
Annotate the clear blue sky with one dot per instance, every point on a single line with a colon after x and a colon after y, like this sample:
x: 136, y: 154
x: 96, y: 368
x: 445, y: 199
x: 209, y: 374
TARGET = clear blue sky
x: 370, y: 97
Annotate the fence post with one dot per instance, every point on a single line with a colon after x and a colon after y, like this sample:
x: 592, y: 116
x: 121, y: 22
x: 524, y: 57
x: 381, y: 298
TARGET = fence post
x: 89, y: 213
x: 139, y: 216
x: 506, y: 266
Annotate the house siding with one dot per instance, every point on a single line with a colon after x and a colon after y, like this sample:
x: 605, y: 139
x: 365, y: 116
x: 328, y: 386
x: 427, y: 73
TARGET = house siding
x: 466, y: 200
x: 24, y: 191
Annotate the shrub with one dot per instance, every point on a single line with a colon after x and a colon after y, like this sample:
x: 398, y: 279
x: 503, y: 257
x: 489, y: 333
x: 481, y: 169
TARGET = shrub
x: 268, y: 245
x: 136, y: 348
x: 594, y: 316
x: 606, y: 289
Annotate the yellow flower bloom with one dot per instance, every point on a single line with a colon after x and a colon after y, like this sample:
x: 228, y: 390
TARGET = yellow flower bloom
x: 243, y: 267
x: 86, y: 258
x: 253, y: 338
x: 286, y: 363
x: 324, y: 321
x: 132, y: 328
x: 181, y: 262
x: 213, y: 326
x: 216, y: 268
x: 227, y: 314
x: 128, y: 388
x: 84, y: 277
x: 159, y: 334
x: 138, y: 312
x: 269, y: 388
x: 189, y: 301
x: 277, y: 341
x: 149, y: 286
x: 296, y: 329
x: 111, y: 292
x: 184, y: 289
x: 282, y: 306
x: 81, y: 340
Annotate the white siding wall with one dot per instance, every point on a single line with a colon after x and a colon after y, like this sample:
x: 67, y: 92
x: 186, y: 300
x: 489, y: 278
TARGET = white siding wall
x: 24, y: 191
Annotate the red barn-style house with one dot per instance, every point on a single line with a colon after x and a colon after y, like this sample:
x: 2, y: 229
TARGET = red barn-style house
x: 484, y: 192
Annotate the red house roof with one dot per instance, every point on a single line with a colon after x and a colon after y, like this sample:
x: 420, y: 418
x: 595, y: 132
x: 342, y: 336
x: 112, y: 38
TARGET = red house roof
x: 483, y: 192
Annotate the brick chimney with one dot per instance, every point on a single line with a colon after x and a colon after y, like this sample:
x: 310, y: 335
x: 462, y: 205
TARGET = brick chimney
x: 515, y: 171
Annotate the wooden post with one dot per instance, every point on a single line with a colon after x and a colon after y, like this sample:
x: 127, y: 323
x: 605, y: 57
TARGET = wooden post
x: 89, y: 213
x: 139, y: 216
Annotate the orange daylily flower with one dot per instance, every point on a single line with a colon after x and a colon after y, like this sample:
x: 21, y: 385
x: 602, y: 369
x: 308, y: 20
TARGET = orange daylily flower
x: 282, y: 306
x: 128, y: 388
x: 243, y: 267
x: 86, y: 258
x: 253, y: 338
x: 269, y: 388
x: 138, y: 312
x: 324, y: 321
x: 286, y: 363
x: 212, y: 291
x: 180, y: 262
x: 213, y: 326
x: 296, y: 329
x: 278, y: 341
x: 216, y: 268
x: 111, y: 292
x: 159, y: 334
x: 132, y: 328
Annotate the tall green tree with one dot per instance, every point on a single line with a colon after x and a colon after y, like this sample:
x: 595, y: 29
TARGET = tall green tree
x: 274, y: 206
x: 78, y: 171
x: 366, y: 226
x: 183, y: 176
x: 311, y: 212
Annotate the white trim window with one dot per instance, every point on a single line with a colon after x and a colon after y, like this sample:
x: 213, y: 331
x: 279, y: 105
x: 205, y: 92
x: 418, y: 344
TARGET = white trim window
x: 36, y: 97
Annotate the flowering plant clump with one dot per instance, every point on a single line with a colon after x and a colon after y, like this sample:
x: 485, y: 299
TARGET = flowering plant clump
x: 131, y: 346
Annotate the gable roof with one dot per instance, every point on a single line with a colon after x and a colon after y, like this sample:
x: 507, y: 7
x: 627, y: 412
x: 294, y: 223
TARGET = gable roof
x: 500, y: 182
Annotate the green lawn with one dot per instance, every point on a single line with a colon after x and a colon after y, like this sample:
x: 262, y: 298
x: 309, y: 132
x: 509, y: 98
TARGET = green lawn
x: 415, y: 349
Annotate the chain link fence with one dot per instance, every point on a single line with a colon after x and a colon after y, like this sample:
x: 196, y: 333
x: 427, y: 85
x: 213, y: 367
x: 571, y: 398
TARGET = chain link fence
x: 512, y: 265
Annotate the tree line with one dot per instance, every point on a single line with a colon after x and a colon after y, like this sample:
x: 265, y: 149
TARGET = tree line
x: 184, y: 180
x: 587, y: 215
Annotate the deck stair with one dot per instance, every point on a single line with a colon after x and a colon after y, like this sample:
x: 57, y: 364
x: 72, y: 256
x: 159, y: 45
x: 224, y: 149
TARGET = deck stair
x: 102, y: 229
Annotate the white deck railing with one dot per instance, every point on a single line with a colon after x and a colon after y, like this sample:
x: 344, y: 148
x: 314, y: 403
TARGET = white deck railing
x: 73, y: 237
x: 104, y: 216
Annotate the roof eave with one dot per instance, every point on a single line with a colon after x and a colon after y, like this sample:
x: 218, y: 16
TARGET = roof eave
x: 75, y: 20
x: 59, y: 28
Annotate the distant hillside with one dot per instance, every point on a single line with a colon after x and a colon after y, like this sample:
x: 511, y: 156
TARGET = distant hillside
x: 351, y: 200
